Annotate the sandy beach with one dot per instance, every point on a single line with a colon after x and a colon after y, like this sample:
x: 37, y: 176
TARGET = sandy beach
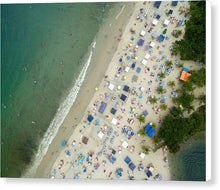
x: 96, y: 143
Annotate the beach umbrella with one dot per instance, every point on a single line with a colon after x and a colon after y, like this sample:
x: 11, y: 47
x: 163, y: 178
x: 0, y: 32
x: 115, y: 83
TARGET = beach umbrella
x: 158, y: 59
x: 96, y: 89
x: 165, y: 45
x: 163, y: 101
x: 146, y: 47
x: 148, y: 22
x: 63, y: 143
x: 128, y: 57
x: 161, y: 51
x: 164, y: 97
x: 68, y: 153
x: 168, y: 37
x: 119, y: 38
x: 151, y: 51
x: 120, y: 59
x: 140, y: 96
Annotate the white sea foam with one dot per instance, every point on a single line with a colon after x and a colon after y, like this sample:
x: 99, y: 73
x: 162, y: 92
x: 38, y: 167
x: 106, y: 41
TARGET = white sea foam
x: 122, y: 9
x: 59, y: 117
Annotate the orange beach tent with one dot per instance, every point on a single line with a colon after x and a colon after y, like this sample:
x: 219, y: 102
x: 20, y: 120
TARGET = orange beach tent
x: 184, y: 76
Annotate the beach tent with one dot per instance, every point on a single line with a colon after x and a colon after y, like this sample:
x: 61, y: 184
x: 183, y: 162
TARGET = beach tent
x: 102, y: 107
x: 111, y: 86
x: 170, y: 12
x: 100, y: 134
x: 157, y: 4
x: 145, y: 113
x: 184, y: 76
x: 132, y: 166
x: 186, y: 70
x: 126, y: 88
x: 154, y: 35
x: 147, y: 56
x: 155, y: 22
x: 114, y: 121
x: 123, y: 97
x: 142, y: 33
x: 125, y: 144
x: 166, y: 22
x: 150, y: 134
x: 144, y: 62
x: 140, y: 42
x: 113, y: 111
x: 142, y: 155
x: 127, y: 160
x: 158, y: 17
x: 90, y: 118
x: 147, y: 128
x: 127, y: 69
x: 161, y: 38
x: 149, y: 174
x: 174, y: 3
x: 152, y: 44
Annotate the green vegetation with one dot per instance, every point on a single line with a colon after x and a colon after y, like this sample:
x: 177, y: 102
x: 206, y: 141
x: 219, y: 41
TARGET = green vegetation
x: 180, y: 65
x: 160, y: 90
x: 171, y: 84
x: 192, y: 47
x: 177, y: 33
x: 142, y: 132
x: 153, y: 100
x: 162, y: 75
x: 146, y: 149
x: 176, y: 130
x: 164, y: 107
x: 141, y: 119
x: 198, y: 77
x: 202, y: 99
x: 153, y: 126
x: 169, y: 63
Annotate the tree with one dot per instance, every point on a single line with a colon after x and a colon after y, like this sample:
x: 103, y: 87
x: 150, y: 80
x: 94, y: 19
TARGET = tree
x: 176, y: 49
x: 178, y: 33
x: 141, y: 118
x: 142, y: 132
x: 160, y: 90
x: 146, y: 149
x: 198, y: 77
x: 192, y: 47
x: 164, y: 107
x: 202, y: 99
x: 171, y: 84
x: 162, y: 75
x: 153, y: 126
x: 176, y: 112
x: 185, y: 99
x: 180, y: 65
x: 153, y: 100
x: 169, y: 63
x: 188, y: 87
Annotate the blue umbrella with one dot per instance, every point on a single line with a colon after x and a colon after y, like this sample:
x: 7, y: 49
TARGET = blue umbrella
x: 128, y: 57
x: 162, y: 52
x: 163, y: 101
x: 146, y: 47
x: 63, y: 143
x: 164, y: 97
x: 68, y: 153
x: 151, y: 51
x: 140, y: 96
x: 165, y: 45
x: 120, y: 59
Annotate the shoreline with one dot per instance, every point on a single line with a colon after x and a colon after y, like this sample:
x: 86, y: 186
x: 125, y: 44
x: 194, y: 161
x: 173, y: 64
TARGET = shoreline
x: 86, y: 90
x: 82, y: 129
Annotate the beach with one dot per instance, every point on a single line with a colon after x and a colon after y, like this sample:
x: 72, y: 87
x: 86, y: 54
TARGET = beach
x: 105, y: 143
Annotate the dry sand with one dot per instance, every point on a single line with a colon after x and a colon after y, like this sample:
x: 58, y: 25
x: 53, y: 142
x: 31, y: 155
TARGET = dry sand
x: 85, y: 105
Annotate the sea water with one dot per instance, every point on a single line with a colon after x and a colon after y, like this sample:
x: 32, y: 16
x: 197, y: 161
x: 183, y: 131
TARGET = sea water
x: 189, y: 164
x: 42, y: 51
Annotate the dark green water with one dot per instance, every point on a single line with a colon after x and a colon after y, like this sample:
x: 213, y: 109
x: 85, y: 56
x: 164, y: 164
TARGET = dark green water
x: 43, y: 43
x: 190, y: 163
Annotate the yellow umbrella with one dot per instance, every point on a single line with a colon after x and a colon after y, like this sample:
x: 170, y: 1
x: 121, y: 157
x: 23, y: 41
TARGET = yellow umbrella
x: 125, y: 77
x: 96, y: 88
x: 181, y: 105
x: 136, y: 58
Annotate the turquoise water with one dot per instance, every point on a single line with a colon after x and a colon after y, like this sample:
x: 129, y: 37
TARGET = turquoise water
x: 190, y: 163
x: 42, y: 48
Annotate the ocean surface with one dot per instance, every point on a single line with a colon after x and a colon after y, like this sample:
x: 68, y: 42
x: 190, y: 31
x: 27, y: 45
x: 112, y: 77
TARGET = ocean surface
x: 189, y: 164
x: 43, y: 65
